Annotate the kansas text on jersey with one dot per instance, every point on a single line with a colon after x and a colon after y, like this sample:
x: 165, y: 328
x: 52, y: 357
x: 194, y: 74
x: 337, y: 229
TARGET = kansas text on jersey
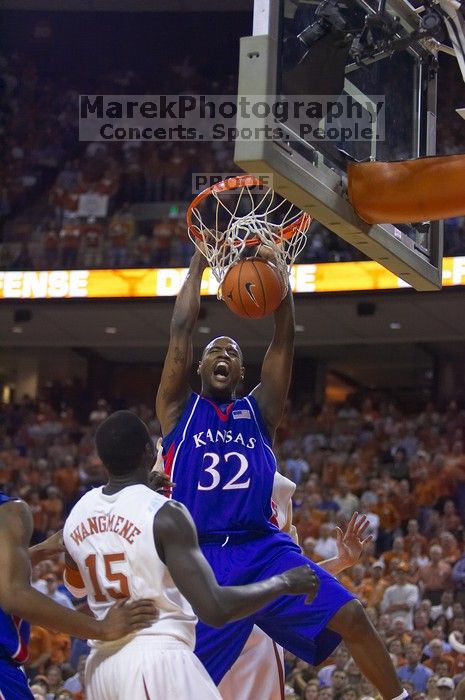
x: 220, y: 458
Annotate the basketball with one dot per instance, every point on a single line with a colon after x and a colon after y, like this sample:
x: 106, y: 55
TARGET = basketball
x: 253, y: 288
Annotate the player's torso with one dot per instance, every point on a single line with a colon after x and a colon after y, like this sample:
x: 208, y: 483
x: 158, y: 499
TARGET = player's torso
x: 220, y: 458
x: 14, y: 632
x: 111, y: 540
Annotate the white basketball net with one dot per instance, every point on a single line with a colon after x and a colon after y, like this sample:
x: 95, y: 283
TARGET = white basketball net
x: 242, y: 219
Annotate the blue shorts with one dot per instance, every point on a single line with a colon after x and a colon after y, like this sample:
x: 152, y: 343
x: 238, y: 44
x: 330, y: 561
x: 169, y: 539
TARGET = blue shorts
x: 13, y: 683
x: 298, y: 627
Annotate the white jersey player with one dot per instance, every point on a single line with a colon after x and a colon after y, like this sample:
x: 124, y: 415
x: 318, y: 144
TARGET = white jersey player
x: 126, y: 541
x: 259, y: 670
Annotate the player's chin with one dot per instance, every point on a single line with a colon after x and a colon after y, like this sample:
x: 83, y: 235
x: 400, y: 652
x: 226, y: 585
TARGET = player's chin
x: 221, y: 384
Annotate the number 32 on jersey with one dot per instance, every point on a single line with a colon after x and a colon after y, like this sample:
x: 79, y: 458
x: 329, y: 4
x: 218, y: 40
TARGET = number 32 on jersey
x: 211, y: 475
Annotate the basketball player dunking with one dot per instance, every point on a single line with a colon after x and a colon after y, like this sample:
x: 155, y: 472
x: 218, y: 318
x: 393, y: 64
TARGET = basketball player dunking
x: 242, y: 682
x: 125, y: 540
x: 218, y: 451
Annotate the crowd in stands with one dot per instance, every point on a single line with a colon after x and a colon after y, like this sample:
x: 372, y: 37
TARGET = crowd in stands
x: 62, y: 200
x: 405, y: 471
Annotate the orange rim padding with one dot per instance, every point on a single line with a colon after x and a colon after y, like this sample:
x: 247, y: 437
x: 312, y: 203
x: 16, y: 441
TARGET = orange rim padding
x: 235, y: 183
x: 403, y: 192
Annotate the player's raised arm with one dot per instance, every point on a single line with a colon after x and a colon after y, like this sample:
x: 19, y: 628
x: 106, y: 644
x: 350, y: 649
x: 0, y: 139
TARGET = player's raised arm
x: 18, y: 597
x: 174, y: 389
x: 271, y: 393
x: 177, y: 545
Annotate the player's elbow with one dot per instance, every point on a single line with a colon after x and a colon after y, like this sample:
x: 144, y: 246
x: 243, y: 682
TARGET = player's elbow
x: 213, y: 616
x: 216, y: 614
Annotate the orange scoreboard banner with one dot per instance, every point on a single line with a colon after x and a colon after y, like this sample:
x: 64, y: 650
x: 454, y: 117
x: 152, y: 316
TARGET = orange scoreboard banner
x: 166, y: 282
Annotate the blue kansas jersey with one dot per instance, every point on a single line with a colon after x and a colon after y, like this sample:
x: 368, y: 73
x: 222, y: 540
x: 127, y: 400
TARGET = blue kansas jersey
x: 14, y: 632
x: 220, y: 458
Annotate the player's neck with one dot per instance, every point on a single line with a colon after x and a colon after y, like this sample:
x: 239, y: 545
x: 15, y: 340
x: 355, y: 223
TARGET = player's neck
x: 218, y: 397
x: 118, y: 483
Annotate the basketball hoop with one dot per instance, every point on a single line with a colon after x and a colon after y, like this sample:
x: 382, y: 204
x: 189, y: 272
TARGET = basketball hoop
x: 244, y: 212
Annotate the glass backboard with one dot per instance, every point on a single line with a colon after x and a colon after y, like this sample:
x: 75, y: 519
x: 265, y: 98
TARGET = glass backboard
x: 345, y: 86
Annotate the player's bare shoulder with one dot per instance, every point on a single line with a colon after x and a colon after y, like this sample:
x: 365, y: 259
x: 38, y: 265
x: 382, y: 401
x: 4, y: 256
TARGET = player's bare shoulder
x: 16, y: 520
x: 173, y: 523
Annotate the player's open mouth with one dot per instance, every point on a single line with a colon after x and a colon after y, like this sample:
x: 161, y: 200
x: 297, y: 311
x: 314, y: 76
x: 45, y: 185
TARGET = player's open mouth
x: 221, y: 370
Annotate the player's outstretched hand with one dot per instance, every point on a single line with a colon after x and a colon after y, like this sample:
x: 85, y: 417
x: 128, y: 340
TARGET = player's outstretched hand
x: 350, y: 543
x: 124, y: 618
x: 47, y: 549
x: 302, y: 580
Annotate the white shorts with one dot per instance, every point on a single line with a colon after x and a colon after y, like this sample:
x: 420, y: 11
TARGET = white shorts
x: 148, y: 668
x: 258, y: 673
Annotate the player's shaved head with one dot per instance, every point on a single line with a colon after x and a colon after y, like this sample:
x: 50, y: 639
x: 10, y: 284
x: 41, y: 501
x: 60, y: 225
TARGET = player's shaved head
x: 122, y: 440
x: 224, y: 341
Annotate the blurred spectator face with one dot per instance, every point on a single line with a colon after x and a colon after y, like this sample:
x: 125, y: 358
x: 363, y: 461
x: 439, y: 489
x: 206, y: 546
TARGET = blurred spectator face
x: 435, y: 554
x: 341, y: 657
x: 419, y: 639
x: 325, y: 694
x: 458, y: 624
x: 384, y: 622
x: 457, y: 609
x: 367, y: 688
x: 426, y: 605
x: 412, y: 527
x: 54, y: 676
x: 438, y: 631
x: 400, y: 575
x: 395, y: 647
x: 338, y: 680
x: 442, y: 669
x: 436, y: 648
x: 353, y: 673
x: 445, y: 687
x: 311, y: 691
x: 377, y: 570
x: 413, y: 654
x: 420, y: 620
x: 349, y: 694
x: 398, y: 545
x: 308, y: 546
x: 449, y: 508
x: 52, y: 583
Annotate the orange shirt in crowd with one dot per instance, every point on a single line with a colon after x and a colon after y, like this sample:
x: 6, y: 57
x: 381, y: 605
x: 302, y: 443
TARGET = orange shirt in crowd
x: 388, y: 516
x: 377, y: 592
x: 61, y: 648
x: 444, y: 658
x: 39, y: 643
x: 390, y: 555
